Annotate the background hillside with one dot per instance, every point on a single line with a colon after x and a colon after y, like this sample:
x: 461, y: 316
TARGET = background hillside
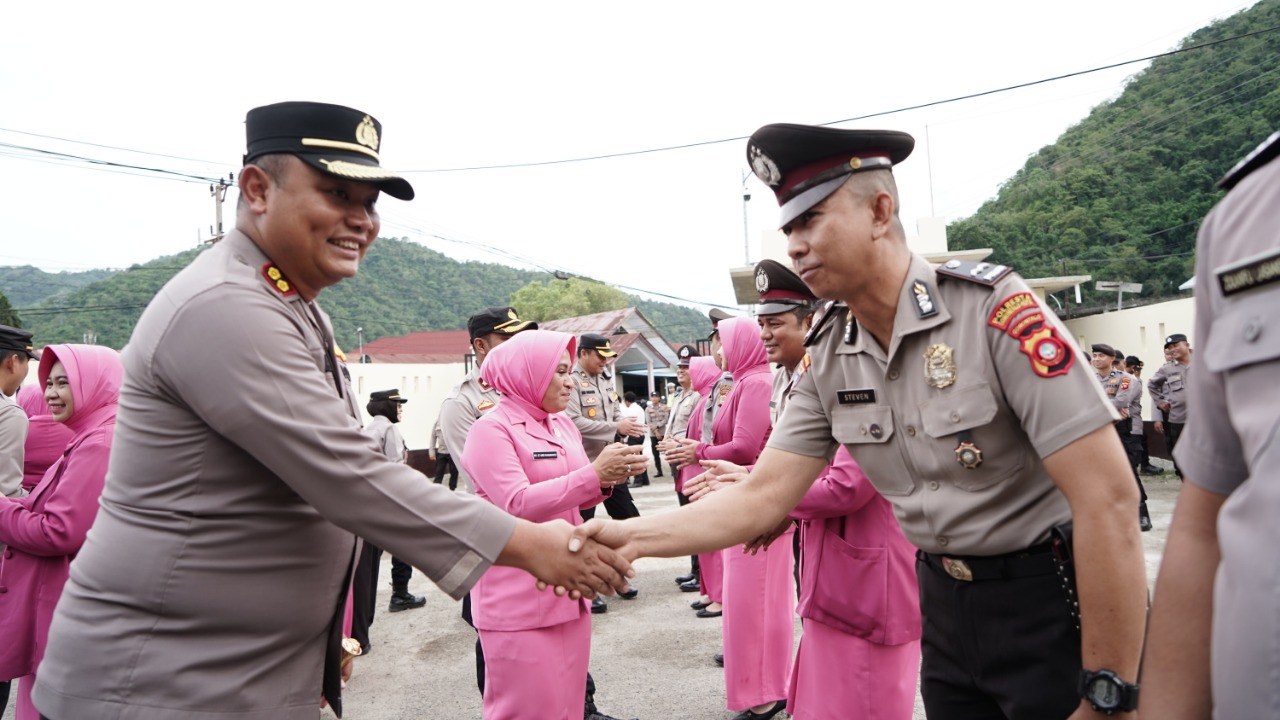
x: 402, y: 287
x: 1120, y: 196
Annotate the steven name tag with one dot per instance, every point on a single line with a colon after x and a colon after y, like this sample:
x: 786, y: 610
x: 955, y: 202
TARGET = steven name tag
x: 856, y: 397
x: 545, y: 455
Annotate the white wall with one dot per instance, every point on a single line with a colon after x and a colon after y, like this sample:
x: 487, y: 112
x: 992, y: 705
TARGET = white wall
x: 424, y: 386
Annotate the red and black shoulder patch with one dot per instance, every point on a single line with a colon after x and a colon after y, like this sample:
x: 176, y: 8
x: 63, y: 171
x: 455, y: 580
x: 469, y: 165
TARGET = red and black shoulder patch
x: 1020, y: 317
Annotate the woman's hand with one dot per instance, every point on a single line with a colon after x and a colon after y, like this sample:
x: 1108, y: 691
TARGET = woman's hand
x: 684, y: 452
x: 617, y: 462
x: 720, y: 473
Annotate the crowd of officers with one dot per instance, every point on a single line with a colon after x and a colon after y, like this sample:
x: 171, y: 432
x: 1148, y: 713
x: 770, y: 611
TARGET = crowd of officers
x: 946, y: 401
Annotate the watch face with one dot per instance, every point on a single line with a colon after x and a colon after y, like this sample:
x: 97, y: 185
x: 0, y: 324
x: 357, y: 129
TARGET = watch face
x: 1104, y: 693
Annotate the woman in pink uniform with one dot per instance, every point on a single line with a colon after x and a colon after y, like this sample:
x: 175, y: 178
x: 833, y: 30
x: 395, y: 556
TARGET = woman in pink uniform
x: 46, y: 438
x: 759, y: 595
x: 526, y: 457
x: 45, y: 529
x: 703, y: 373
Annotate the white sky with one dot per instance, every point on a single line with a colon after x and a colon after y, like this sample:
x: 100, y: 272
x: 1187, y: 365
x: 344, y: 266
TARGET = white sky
x: 463, y: 84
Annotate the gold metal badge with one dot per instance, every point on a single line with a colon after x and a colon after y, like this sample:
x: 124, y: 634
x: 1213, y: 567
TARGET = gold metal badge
x: 366, y: 133
x: 940, y: 365
x: 968, y: 455
x: 957, y: 569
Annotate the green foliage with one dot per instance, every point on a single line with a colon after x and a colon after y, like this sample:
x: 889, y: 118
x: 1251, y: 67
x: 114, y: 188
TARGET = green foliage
x: 1120, y: 195
x: 558, y: 299
x: 7, y: 314
x: 402, y: 287
x: 26, y: 285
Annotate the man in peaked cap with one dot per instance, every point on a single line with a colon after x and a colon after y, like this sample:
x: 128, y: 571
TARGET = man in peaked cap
x: 1168, y: 388
x: 214, y: 580
x: 960, y: 396
x: 677, y: 427
x: 16, y: 354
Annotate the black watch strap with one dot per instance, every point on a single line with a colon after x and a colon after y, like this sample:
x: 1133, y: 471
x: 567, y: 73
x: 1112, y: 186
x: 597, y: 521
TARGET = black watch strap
x: 1106, y: 692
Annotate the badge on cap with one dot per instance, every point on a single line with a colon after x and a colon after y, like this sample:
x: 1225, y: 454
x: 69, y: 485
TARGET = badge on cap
x: 940, y: 365
x: 277, y: 279
x: 367, y: 133
x: 762, y: 281
x: 764, y: 167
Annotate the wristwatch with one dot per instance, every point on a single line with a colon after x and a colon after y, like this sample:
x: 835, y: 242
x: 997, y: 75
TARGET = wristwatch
x: 1107, y: 693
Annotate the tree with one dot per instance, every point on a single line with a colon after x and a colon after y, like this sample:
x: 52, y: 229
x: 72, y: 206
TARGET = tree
x: 566, y: 298
x: 7, y: 314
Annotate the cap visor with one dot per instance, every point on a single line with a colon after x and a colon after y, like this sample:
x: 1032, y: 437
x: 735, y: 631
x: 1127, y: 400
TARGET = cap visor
x: 605, y: 353
x: 775, y: 308
x: 807, y: 199
x: 517, y: 327
x: 351, y: 167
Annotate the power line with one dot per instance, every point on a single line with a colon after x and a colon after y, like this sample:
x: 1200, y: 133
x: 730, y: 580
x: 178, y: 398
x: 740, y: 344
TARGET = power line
x: 113, y: 147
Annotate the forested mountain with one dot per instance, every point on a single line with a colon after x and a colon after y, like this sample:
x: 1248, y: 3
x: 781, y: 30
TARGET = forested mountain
x: 1120, y: 195
x: 402, y: 287
x: 25, y: 285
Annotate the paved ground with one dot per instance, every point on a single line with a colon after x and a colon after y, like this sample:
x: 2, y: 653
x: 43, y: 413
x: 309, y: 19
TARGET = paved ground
x: 650, y: 656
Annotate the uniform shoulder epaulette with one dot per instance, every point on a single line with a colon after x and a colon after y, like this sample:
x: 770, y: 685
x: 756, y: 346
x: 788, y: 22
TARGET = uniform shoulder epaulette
x: 983, y: 273
x: 1261, y: 155
x: 821, y: 318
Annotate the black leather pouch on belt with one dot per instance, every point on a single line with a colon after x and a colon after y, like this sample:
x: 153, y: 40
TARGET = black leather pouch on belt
x: 1064, y: 557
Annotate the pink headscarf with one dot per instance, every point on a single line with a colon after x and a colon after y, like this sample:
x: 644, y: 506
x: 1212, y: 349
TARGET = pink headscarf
x: 94, y: 373
x: 31, y: 399
x: 743, y: 349
x: 521, y: 368
x: 703, y: 374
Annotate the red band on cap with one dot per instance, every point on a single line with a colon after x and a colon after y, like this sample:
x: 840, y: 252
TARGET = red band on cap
x: 784, y: 295
x: 802, y: 174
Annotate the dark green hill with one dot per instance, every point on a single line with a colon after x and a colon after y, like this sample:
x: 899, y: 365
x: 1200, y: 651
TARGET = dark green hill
x: 26, y: 285
x: 1120, y: 196
x: 402, y: 287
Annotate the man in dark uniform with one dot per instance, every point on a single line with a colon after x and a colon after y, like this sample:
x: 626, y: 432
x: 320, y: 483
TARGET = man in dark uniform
x: 1214, y: 632
x: 960, y: 396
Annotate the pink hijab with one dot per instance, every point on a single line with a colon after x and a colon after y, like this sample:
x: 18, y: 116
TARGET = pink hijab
x: 94, y: 373
x: 742, y: 347
x: 31, y: 400
x: 703, y: 374
x: 521, y: 368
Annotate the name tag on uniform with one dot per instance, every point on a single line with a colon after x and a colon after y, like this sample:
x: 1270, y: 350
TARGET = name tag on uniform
x: 545, y: 455
x: 856, y: 397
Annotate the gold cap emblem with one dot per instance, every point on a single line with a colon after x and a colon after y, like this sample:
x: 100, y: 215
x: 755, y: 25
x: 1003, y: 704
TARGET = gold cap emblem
x: 367, y: 134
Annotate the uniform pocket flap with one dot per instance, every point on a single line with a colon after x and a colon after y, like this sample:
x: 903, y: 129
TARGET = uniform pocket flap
x: 961, y: 409
x: 857, y: 425
x: 1245, y: 334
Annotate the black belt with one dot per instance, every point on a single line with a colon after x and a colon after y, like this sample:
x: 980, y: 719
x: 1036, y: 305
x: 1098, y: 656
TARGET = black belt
x: 1035, y: 560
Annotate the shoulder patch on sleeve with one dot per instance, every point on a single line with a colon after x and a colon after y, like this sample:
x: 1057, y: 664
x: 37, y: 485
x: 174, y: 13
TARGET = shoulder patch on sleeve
x: 983, y: 273
x: 1010, y: 308
x: 1019, y: 316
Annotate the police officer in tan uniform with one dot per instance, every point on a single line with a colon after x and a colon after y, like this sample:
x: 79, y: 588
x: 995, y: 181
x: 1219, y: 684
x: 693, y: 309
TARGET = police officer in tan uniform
x: 1168, y: 388
x: 213, y: 581
x: 678, y: 427
x: 593, y: 406
x: 1214, y: 626
x: 1121, y: 388
x: 473, y: 397
x: 963, y: 400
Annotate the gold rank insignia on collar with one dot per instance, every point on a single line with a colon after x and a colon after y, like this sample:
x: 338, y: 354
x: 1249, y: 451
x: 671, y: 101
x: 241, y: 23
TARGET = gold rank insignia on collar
x: 925, y: 307
x: 277, y: 279
x: 480, y: 381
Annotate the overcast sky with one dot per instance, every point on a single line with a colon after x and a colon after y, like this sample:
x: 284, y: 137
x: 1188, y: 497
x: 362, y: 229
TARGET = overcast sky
x: 474, y: 84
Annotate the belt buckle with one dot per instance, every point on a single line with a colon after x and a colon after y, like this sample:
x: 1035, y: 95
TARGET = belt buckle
x: 957, y: 569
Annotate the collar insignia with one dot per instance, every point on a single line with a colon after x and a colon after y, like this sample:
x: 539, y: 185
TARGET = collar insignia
x: 480, y: 381
x: 924, y: 300
x: 277, y: 279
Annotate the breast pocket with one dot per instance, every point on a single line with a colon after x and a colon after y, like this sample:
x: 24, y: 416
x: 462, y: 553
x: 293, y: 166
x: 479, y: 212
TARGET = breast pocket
x: 866, y: 431
x: 1245, y: 350
x: 971, y: 410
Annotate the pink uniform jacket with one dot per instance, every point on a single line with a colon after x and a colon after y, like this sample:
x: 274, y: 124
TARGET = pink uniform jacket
x: 742, y: 424
x: 703, y: 374
x: 44, y: 530
x: 46, y: 437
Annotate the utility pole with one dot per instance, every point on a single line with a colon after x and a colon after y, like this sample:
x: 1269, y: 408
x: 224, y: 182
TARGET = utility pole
x: 746, y: 243
x: 219, y: 193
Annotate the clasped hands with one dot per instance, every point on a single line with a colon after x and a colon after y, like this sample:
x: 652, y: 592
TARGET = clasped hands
x: 617, y: 462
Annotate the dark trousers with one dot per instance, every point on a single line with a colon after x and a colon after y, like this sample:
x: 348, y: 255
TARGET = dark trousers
x: 1173, y: 431
x: 657, y: 456
x: 1133, y: 450
x: 401, y: 571
x: 364, y: 592
x: 997, y: 649
x: 619, y: 505
x: 1146, y: 454
x: 444, y: 463
x: 4, y: 695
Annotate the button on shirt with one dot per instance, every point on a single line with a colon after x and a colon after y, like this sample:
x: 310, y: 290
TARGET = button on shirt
x: 998, y: 397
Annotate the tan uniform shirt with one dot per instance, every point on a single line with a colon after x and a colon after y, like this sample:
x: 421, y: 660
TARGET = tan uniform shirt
x: 986, y: 363
x: 1229, y: 445
x: 13, y: 439
x: 719, y: 392
x: 465, y: 403
x: 593, y: 409
x: 1135, y: 406
x: 1120, y: 387
x: 207, y: 586
x: 657, y: 416
x: 1169, y: 384
x: 678, y: 423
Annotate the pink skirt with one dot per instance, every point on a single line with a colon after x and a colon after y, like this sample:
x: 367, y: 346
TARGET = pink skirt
x: 540, y: 673
x: 711, y: 574
x: 841, y: 675
x: 759, y: 607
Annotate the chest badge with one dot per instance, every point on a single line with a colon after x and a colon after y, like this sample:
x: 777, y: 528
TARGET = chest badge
x: 967, y: 454
x: 484, y: 405
x: 940, y: 365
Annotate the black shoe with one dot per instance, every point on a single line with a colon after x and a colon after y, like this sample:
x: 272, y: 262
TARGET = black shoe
x: 631, y: 593
x: 698, y: 604
x: 686, y: 578
x: 691, y: 586
x: 657, y: 474
x: 598, y: 605
x: 778, y: 706
x: 718, y: 659
x: 405, y: 601
x: 705, y: 613
x: 1150, y: 470
x: 1144, y: 518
